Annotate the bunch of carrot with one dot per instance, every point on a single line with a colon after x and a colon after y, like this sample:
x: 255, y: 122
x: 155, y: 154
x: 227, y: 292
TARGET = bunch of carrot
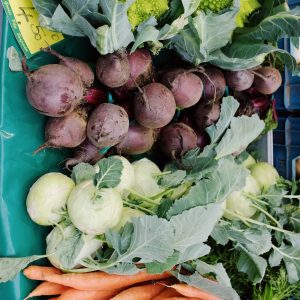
x: 103, y: 286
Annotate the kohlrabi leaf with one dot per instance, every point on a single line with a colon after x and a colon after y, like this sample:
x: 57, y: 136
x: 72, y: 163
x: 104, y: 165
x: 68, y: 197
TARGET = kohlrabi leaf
x: 45, y: 7
x: 118, y: 34
x: 217, y: 269
x: 170, y: 30
x: 227, y: 178
x: 291, y: 257
x: 159, y: 268
x: 110, y: 171
x: 215, y: 288
x: 163, y: 208
x: 83, y: 172
x: 243, y: 131
x: 194, y: 252
x: 10, y: 266
x: 253, y: 265
x: 173, y: 179
x: 190, y: 6
x: 188, y: 226
x: 123, y: 269
x: 229, y: 107
x: 273, y: 28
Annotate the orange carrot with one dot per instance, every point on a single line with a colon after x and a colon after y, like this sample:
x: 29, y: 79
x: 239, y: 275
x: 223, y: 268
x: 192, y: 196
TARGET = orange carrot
x: 38, y: 272
x: 102, y: 281
x: 192, y: 292
x: 142, y: 292
x: 166, y: 293
x: 73, y: 294
x: 47, y: 289
x: 183, y: 298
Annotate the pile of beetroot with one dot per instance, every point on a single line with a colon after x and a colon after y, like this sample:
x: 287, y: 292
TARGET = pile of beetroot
x: 170, y: 107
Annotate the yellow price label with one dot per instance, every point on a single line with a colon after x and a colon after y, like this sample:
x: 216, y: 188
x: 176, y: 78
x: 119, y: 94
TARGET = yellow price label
x: 24, y: 21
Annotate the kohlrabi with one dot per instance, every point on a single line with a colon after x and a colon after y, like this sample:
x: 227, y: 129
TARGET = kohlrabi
x: 127, y: 176
x: 67, y: 246
x: 249, y: 162
x: 238, y: 202
x: 93, y: 210
x: 127, y: 214
x: 47, y: 198
x: 265, y: 174
x: 146, y: 181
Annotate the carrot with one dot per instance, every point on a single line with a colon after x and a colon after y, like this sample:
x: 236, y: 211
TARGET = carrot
x: 102, y: 281
x: 38, y: 272
x: 183, y: 298
x: 73, y: 294
x: 142, y: 292
x: 166, y: 293
x: 47, y: 289
x: 192, y: 292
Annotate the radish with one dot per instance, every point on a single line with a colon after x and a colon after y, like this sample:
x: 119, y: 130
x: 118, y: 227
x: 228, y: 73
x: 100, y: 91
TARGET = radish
x: 107, y: 125
x: 154, y: 106
x: 141, y: 69
x: 54, y: 90
x: 138, y: 140
x: 85, y: 152
x: 176, y: 139
x: 186, y: 87
x: 113, y: 70
x: 214, y: 83
x: 267, y: 80
x: 81, y: 68
x: 68, y: 132
x: 239, y: 80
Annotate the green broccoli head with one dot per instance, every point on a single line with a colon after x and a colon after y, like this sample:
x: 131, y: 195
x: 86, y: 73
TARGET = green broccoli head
x: 215, y: 5
x: 141, y: 10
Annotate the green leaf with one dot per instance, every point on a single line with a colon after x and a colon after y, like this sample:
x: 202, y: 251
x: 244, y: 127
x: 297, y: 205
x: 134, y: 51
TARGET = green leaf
x: 243, y: 130
x: 163, y: 208
x: 229, y: 107
x: 118, y: 35
x: 169, y: 31
x: 123, y: 269
x: 10, y: 266
x: 159, y: 268
x: 61, y: 22
x: 251, y: 264
x: 259, y: 240
x: 291, y: 258
x: 189, y: 226
x: 81, y: 8
x: 45, y: 7
x: 190, y: 6
x: 217, y: 289
x: 227, y: 178
x: 282, y: 25
x: 14, y: 60
x: 110, y: 171
x: 173, y: 179
x: 83, y: 172
x: 193, y: 252
x: 217, y: 269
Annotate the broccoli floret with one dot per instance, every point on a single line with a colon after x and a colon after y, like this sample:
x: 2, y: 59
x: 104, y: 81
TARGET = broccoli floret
x: 215, y: 5
x: 141, y: 10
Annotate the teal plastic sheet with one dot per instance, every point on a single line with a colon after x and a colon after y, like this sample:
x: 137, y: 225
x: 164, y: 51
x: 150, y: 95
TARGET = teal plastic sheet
x: 21, y: 132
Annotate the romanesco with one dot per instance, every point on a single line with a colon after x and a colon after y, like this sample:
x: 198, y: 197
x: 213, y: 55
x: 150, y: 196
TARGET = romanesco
x: 141, y: 10
x: 215, y: 5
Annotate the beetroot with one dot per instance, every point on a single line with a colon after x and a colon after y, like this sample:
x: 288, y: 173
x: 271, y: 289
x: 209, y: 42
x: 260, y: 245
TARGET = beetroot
x: 138, y: 140
x: 267, y: 80
x: 186, y: 87
x: 128, y: 106
x: 206, y: 115
x: 214, y: 83
x: 85, y: 152
x: 82, y: 69
x: 141, y: 69
x: 95, y: 96
x: 176, y: 139
x: 202, y: 139
x: 154, y: 106
x: 113, y: 70
x: 67, y: 132
x: 107, y: 125
x: 53, y: 90
x: 239, y: 80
